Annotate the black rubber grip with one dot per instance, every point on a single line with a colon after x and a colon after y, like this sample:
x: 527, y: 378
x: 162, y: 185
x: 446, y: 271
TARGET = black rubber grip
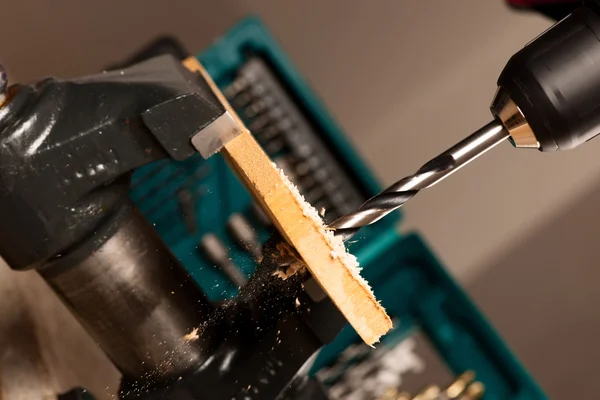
x: 555, y: 80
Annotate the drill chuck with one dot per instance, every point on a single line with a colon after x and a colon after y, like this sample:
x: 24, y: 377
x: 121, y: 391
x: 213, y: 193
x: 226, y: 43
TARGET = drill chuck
x: 549, y: 91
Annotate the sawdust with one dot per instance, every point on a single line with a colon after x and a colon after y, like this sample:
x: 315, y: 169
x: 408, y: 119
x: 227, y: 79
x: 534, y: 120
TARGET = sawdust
x: 338, y: 249
x: 288, y: 257
x: 370, y: 327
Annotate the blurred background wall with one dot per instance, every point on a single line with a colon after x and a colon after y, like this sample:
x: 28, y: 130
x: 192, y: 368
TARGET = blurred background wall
x: 405, y: 79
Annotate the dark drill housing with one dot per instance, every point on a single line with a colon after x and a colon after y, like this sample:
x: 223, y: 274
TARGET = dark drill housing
x: 555, y: 81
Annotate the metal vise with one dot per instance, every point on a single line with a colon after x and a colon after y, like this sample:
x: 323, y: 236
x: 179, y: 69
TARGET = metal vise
x: 67, y: 150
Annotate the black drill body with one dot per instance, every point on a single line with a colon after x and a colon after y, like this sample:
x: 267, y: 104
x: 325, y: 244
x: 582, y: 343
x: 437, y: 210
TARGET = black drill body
x: 555, y: 81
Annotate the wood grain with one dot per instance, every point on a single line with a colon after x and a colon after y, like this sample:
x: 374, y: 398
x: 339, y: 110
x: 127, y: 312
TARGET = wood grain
x: 291, y: 215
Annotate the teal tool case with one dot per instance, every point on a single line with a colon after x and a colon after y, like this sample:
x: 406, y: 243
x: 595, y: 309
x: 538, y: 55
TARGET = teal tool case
x: 406, y: 277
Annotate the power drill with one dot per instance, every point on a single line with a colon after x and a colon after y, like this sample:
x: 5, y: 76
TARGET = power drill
x: 548, y: 98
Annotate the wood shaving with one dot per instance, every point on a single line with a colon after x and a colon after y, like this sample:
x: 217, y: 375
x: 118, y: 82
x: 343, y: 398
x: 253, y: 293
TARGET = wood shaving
x: 336, y: 243
x: 370, y: 334
x: 280, y: 274
x: 289, y: 271
x: 287, y: 257
x: 192, y: 336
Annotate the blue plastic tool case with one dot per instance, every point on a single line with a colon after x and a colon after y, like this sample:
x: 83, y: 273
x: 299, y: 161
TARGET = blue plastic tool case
x: 410, y: 282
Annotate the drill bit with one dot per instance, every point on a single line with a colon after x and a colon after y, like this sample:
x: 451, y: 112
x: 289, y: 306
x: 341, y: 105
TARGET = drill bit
x: 245, y: 236
x: 216, y: 252
x: 428, y: 175
x: 188, y: 208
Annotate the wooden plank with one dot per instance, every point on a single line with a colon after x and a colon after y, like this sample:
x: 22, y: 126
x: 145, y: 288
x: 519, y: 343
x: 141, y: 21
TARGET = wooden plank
x: 299, y: 223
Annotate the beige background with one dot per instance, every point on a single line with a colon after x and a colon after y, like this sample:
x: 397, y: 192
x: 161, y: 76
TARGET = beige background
x: 405, y: 79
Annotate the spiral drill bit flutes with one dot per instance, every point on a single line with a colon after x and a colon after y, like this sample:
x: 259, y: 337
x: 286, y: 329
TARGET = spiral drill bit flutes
x: 428, y: 175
